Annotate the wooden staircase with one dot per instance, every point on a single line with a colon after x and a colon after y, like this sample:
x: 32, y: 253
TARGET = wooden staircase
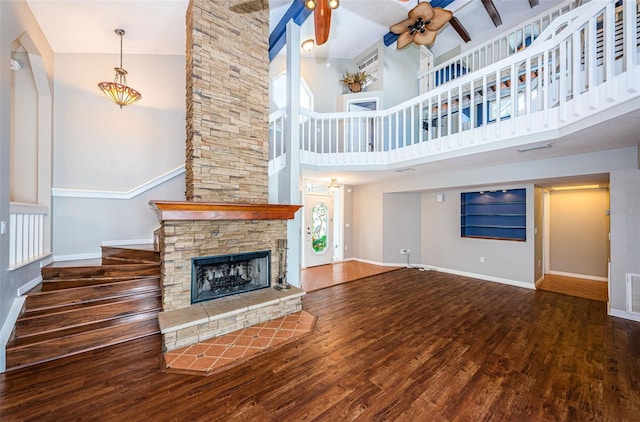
x: 86, y: 307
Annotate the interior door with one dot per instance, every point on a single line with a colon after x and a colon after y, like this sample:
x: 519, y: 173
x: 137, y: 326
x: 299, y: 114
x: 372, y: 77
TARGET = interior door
x: 318, y: 237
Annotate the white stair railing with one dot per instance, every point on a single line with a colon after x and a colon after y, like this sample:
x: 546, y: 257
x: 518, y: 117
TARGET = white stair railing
x: 578, y: 73
x: 492, y: 51
x: 27, y: 239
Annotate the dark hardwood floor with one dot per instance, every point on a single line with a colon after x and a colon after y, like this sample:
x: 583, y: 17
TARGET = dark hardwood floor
x: 401, y: 346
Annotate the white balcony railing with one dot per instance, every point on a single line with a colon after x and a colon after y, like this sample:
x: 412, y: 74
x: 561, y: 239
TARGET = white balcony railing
x: 589, y: 65
x: 492, y: 51
x: 27, y: 240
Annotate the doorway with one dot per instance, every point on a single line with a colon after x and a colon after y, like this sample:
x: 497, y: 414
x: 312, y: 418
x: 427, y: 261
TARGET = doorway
x: 576, y: 240
x: 318, y: 229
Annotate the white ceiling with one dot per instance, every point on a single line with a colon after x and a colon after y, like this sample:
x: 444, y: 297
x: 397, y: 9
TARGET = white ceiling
x: 158, y: 26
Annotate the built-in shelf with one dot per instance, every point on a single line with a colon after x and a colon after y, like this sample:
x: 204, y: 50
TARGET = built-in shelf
x: 499, y: 215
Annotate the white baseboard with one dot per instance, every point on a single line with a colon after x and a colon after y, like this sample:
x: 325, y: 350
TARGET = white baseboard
x: 538, y: 281
x: 7, y: 328
x: 586, y: 277
x: 29, y: 285
x: 622, y: 314
x: 381, y: 264
x: 75, y: 257
x: 127, y: 242
x: 486, y: 277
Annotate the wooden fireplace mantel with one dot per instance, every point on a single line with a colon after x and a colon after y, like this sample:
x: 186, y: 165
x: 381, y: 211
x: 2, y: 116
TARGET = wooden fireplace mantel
x: 188, y: 210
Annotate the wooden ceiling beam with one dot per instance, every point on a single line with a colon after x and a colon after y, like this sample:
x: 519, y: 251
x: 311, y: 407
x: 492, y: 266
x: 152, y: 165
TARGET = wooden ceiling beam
x: 460, y: 29
x: 492, y: 11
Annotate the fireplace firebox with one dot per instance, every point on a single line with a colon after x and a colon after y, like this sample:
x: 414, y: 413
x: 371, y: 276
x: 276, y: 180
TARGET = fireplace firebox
x: 218, y: 276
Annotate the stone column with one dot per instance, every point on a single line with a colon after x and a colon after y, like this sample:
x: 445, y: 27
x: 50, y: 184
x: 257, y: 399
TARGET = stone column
x: 227, y: 101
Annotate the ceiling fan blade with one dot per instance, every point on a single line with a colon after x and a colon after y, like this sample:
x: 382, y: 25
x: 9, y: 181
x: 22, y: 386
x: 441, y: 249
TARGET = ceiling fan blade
x: 322, y: 21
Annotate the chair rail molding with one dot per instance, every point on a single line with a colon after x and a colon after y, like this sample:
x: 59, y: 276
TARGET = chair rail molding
x: 104, y: 194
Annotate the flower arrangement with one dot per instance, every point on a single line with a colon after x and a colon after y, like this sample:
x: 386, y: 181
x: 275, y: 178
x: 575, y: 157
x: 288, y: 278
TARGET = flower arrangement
x: 355, y: 80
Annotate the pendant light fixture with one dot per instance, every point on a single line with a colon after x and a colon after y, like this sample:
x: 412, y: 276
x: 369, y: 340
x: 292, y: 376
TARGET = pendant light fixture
x: 118, y: 91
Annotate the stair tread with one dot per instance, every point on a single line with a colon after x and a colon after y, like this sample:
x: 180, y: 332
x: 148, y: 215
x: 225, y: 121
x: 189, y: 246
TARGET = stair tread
x: 68, y: 335
x: 35, y: 325
x: 72, y: 283
x: 18, y: 357
x: 83, y: 294
x: 62, y: 308
x: 131, y: 254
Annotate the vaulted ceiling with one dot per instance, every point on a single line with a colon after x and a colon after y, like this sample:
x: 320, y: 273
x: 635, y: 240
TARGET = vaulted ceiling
x: 157, y: 26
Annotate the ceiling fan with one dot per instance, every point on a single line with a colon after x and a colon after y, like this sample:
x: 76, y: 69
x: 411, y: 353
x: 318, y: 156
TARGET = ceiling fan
x: 322, y: 17
x: 422, y: 25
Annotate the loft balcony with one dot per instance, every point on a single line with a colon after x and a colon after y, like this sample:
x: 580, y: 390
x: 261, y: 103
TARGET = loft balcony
x: 581, y: 69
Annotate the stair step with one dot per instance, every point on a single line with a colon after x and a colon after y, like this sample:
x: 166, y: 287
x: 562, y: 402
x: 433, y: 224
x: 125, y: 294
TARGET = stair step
x: 30, y: 324
x: 52, y: 272
x: 37, y: 349
x: 83, y: 294
x: 129, y: 254
x: 55, y: 285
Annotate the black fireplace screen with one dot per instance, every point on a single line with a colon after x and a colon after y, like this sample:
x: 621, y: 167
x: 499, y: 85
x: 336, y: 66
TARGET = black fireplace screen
x: 223, y: 275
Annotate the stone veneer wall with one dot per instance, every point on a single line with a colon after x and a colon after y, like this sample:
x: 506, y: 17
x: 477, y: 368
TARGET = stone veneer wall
x: 182, y: 240
x: 227, y: 101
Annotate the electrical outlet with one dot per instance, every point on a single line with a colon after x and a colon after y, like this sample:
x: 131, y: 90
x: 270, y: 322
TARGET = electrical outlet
x: 405, y: 251
x: 482, y: 259
x: 3, y: 227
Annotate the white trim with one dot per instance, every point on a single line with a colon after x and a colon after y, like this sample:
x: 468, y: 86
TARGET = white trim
x: 24, y: 208
x: 45, y: 259
x: 127, y: 242
x: 7, y: 329
x: 48, y: 260
x: 29, y: 285
x: 500, y: 280
x: 455, y: 272
x: 103, y: 194
x: 381, y: 264
x: 622, y: 314
x: 538, y: 281
x: 75, y: 257
x: 586, y: 277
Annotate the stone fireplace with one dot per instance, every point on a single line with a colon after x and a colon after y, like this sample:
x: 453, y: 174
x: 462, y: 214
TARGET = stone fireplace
x: 226, y: 211
x: 226, y: 275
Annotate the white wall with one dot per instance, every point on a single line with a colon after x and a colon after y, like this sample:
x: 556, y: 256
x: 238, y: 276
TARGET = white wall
x: 443, y: 246
x: 401, y: 69
x: 100, y: 147
x: 323, y: 80
x: 24, y: 133
x: 579, y: 232
x: 16, y: 20
x: 401, y: 227
x: 538, y: 228
x: 624, y: 199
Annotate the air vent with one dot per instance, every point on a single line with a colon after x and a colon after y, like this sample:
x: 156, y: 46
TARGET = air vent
x: 633, y: 293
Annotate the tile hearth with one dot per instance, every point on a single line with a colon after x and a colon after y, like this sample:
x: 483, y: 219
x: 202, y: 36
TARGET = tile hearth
x: 220, y: 353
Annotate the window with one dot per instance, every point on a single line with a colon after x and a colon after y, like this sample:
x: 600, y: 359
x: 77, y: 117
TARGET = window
x: 279, y: 92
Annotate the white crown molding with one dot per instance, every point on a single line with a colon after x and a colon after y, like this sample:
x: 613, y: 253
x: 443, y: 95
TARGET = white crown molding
x: 102, y: 194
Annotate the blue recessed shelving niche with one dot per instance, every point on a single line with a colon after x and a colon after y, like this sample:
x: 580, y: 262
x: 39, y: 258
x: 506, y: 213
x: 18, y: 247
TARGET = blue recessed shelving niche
x: 500, y: 215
